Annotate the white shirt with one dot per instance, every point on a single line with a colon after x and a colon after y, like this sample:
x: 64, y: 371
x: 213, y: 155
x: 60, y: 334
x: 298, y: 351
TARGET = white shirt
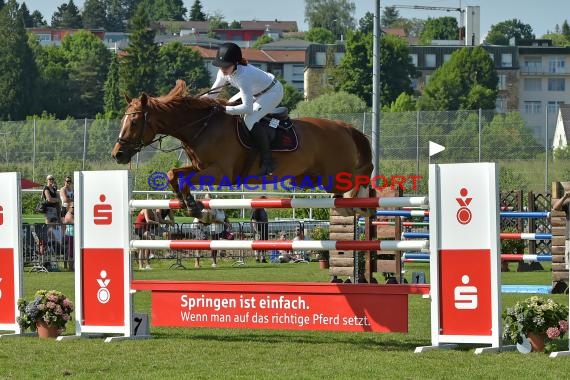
x: 249, y: 80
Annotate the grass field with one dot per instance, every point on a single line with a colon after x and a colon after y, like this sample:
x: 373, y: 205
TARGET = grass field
x: 264, y: 354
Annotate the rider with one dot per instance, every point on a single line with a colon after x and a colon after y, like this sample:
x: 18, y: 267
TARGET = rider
x: 260, y: 93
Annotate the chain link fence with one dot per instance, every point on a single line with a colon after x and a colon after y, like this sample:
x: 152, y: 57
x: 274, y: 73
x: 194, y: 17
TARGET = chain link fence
x: 522, y: 148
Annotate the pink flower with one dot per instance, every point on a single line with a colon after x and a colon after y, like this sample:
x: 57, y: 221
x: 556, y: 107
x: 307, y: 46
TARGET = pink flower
x: 563, y: 325
x: 552, y: 332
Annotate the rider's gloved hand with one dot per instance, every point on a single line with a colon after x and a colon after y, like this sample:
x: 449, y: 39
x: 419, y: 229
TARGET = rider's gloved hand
x: 218, y: 108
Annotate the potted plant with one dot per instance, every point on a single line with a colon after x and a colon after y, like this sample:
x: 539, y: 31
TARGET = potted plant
x: 48, y: 313
x: 321, y: 233
x: 539, y: 320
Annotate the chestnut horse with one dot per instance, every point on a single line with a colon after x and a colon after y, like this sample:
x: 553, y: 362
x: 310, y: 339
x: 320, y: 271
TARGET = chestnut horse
x: 325, y: 149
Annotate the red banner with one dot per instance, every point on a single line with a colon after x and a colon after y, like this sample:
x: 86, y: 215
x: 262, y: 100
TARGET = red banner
x: 7, y: 300
x: 103, y: 287
x: 287, y: 306
x: 465, y: 292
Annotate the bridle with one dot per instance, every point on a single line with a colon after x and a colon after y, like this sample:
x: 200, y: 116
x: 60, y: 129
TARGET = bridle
x: 138, y: 145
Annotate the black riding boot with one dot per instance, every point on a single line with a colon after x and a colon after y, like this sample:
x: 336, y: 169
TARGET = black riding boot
x: 261, y: 138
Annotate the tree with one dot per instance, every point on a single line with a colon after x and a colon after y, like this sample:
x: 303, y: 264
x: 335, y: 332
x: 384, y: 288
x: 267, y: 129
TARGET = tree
x: 94, y: 14
x: 320, y: 36
x: 565, y: 30
x: 291, y: 96
x: 262, y: 40
x: 196, y: 13
x: 113, y: 102
x: 332, y: 103
x: 467, y: 81
x: 354, y: 73
x: 116, y: 16
x: 67, y: 16
x: 334, y: 15
x: 503, y: 32
x: 403, y: 103
x: 442, y: 28
x: 173, y: 10
x: 366, y: 23
x: 38, y: 19
x: 137, y: 69
x: 87, y: 61
x: 17, y: 67
x: 389, y: 17
x: 25, y: 14
x: 558, y: 39
x: 176, y: 61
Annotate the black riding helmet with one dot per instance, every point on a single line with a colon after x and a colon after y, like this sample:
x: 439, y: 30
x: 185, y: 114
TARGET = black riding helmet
x: 228, y: 54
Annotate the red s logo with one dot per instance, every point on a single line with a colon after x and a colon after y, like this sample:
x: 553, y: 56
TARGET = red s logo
x: 102, y: 213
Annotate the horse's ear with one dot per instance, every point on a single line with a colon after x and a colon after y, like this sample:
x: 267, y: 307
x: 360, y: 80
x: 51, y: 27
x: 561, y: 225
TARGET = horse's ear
x: 128, y: 98
x: 144, y: 99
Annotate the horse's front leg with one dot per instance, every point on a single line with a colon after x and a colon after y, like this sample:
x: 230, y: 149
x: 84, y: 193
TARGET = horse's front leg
x: 180, y: 181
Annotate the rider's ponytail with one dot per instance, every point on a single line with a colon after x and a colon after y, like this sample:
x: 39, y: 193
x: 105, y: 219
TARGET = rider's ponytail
x: 242, y: 62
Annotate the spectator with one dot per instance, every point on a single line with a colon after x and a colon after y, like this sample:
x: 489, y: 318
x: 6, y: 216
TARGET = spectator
x: 146, y: 219
x: 166, y: 220
x: 69, y: 233
x: 284, y: 255
x: 66, y: 195
x: 259, y: 226
x: 215, y: 221
x: 53, y: 202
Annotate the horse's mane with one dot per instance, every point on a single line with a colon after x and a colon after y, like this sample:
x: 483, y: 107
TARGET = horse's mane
x: 179, y: 96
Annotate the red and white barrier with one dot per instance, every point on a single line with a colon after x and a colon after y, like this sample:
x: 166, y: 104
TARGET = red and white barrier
x: 286, y: 203
x: 11, y: 288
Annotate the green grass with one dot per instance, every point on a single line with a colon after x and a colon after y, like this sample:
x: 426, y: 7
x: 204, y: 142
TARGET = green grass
x: 259, y: 354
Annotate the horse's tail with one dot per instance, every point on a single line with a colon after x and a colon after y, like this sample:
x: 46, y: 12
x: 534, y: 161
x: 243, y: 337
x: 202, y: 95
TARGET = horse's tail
x: 365, y: 164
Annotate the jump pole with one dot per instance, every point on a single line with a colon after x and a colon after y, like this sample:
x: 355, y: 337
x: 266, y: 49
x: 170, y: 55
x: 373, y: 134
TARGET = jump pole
x: 11, y: 265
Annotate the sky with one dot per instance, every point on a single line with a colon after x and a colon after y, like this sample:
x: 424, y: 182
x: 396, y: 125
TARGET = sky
x: 542, y: 17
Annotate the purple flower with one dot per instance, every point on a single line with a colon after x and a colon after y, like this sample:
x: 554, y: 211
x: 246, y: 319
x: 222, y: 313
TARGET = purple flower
x: 563, y: 325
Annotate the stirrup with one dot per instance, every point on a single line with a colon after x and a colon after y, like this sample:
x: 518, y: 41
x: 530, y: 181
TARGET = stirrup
x: 267, y: 168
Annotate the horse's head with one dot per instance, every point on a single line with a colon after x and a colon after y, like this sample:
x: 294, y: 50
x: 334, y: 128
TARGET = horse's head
x: 135, y: 133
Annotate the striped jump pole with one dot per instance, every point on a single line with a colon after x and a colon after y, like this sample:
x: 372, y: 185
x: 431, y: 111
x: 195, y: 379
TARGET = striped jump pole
x: 286, y: 203
x: 300, y: 245
x: 503, y: 214
x: 424, y: 257
x: 502, y: 236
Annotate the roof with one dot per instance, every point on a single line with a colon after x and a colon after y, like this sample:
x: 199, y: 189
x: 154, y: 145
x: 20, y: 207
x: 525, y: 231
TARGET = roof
x: 287, y: 44
x: 256, y: 55
x: 399, y: 32
x: 565, y: 113
x: 285, y: 26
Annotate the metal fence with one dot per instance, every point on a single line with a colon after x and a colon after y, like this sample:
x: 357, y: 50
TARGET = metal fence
x: 49, y: 247
x: 520, y: 142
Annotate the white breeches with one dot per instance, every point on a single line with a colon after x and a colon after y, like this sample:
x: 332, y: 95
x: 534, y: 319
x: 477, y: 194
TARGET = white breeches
x: 262, y: 105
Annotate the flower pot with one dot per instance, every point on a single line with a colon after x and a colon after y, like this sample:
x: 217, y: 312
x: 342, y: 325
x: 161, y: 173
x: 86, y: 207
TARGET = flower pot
x: 46, y: 331
x: 323, y: 264
x: 536, y: 341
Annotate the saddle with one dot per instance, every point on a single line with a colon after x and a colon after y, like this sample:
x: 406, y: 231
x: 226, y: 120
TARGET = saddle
x: 284, y: 137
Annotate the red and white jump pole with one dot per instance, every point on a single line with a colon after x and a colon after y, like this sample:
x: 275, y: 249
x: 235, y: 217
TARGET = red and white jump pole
x: 11, y: 288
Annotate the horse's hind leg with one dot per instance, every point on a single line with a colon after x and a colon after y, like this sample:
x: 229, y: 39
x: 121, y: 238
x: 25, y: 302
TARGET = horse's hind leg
x: 183, y: 193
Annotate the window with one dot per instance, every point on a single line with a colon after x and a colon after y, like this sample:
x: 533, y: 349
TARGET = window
x: 320, y: 59
x: 532, y: 84
x: 338, y: 58
x: 506, y: 60
x: 556, y: 65
x: 446, y: 57
x: 44, y: 37
x: 430, y: 60
x: 554, y: 106
x: 414, y: 59
x: 298, y: 69
x: 502, y: 85
x: 532, y: 107
x: 492, y: 56
x: 501, y: 105
x: 532, y: 65
x: 556, y: 84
